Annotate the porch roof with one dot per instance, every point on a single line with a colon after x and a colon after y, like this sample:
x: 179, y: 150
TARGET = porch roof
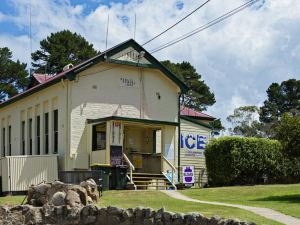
x: 136, y: 120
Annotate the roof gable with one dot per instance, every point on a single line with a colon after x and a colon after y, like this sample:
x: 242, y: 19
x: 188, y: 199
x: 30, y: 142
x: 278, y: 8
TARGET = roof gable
x: 116, y: 54
x: 120, y: 55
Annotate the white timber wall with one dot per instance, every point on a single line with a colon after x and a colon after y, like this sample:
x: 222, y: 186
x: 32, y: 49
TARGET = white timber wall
x: 187, y: 158
x: 37, y: 104
x: 99, y: 92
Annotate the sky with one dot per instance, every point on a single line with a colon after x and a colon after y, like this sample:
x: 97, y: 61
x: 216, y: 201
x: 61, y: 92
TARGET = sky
x: 238, y: 58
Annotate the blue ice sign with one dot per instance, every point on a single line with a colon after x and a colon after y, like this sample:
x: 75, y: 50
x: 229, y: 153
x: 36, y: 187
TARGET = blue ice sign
x: 193, y: 141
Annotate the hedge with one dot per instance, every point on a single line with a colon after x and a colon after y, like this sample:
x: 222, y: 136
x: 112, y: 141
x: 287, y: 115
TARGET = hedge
x: 238, y: 161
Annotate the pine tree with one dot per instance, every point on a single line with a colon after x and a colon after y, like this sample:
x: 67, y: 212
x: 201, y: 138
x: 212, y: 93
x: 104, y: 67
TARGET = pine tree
x: 13, y: 75
x: 199, y: 96
x: 60, y: 49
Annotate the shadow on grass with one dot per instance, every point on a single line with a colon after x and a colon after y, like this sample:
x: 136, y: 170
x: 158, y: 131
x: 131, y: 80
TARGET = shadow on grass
x: 281, y: 198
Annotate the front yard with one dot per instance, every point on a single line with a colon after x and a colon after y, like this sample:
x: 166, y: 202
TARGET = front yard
x: 156, y: 200
x: 283, y: 198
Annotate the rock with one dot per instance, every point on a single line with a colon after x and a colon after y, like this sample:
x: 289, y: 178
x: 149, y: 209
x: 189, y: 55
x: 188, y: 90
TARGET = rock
x: 91, y: 188
x: 58, y: 199
x: 73, y: 199
x: 92, y: 215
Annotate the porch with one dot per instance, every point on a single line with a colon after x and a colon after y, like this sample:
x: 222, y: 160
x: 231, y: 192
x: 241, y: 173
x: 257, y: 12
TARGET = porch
x: 147, y: 147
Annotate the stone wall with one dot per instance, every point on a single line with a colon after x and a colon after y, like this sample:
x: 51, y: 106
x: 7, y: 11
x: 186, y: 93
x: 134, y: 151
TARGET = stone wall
x: 90, y: 214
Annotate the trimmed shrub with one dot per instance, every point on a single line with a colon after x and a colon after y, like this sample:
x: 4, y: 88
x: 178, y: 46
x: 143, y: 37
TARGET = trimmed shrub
x: 238, y: 161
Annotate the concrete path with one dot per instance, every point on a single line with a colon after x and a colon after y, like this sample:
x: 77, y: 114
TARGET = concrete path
x: 265, y: 212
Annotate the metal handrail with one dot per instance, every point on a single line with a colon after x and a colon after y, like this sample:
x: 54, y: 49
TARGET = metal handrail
x: 173, y: 170
x: 131, y: 167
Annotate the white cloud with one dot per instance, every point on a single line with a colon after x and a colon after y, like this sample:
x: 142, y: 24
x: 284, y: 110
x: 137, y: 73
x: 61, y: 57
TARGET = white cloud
x: 238, y: 58
x: 1, y: 17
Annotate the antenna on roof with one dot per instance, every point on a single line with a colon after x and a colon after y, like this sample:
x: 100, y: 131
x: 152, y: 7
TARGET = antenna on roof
x: 30, y: 36
x: 134, y: 26
x: 107, y: 32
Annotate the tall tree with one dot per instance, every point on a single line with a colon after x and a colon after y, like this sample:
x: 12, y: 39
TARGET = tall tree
x: 288, y: 133
x: 199, y: 96
x: 284, y: 97
x: 13, y: 75
x: 245, y: 122
x: 60, y: 49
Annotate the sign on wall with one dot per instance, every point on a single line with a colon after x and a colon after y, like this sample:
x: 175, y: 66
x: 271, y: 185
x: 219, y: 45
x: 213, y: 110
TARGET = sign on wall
x: 188, y: 174
x: 116, y: 155
x: 192, y: 144
x: 117, y: 129
x: 128, y: 82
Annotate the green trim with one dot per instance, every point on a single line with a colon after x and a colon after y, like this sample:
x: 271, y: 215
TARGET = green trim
x: 127, y: 119
x: 128, y: 63
x: 201, y: 117
x: 196, y: 122
x: 179, y: 136
x: 154, y: 141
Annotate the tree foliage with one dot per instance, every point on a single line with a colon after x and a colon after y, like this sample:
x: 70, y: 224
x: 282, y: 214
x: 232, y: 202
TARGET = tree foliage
x: 244, y: 122
x: 288, y: 133
x: 282, y: 98
x: 60, y: 49
x: 217, y: 126
x: 199, y: 96
x: 13, y: 75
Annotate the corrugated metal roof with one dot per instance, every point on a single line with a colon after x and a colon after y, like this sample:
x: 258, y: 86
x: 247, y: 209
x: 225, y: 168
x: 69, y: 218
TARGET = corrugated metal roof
x: 186, y: 111
x: 42, y: 78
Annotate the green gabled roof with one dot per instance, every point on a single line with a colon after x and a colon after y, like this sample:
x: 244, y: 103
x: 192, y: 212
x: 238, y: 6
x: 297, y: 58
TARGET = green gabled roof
x: 187, y: 118
x: 104, y: 56
x: 118, y: 48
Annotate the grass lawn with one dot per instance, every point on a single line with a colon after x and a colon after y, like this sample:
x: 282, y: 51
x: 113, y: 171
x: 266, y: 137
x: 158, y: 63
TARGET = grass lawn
x: 283, y: 198
x: 155, y: 200
x: 11, y: 200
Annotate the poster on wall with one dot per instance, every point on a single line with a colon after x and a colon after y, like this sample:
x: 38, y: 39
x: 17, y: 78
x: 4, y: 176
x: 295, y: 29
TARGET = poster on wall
x: 117, y: 130
x: 188, y: 175
x: 116, y: 155
x: 193, y: 145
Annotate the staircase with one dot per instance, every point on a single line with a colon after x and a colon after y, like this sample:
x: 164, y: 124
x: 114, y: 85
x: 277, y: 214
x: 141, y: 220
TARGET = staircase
x: 150, y: 181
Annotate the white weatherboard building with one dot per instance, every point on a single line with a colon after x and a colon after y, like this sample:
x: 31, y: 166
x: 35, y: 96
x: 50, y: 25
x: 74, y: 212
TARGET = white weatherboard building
x: 120, y: 107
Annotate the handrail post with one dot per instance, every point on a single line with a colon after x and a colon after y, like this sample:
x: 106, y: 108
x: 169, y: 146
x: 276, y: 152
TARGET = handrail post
x: 173, y: 171
x: 131, y: 167
x: 131, y: 180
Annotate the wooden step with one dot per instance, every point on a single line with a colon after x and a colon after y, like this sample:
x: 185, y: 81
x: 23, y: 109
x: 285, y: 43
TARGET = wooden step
x: 151, y: 181
x: 148, y: 174
x: 158, y: 178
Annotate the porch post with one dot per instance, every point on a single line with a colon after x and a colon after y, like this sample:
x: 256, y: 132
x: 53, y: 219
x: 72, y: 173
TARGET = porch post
x: 108, y: 136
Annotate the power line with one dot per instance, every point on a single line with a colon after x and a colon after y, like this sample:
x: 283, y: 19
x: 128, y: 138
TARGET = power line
x: 206, y: 26
x: 188, y: 15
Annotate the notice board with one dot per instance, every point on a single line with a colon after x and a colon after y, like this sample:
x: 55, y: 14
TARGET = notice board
x: 116, y: 155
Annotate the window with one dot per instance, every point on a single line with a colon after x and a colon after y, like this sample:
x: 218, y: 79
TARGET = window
x: 99, y: 138
x: 9, y: 140
x: 30, y: 135
x: 55, y: 129
x: 3, y: 141
x: 38, y: 135
x: 46, y: 132
x: 23, y: 137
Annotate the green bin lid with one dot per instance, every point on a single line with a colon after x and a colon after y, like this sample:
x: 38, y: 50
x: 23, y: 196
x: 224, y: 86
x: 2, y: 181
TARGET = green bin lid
x: 98, y: 164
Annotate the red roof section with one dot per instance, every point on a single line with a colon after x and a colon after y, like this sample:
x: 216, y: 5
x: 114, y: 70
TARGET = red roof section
x: 185, y: 111
x: 42, y: 78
